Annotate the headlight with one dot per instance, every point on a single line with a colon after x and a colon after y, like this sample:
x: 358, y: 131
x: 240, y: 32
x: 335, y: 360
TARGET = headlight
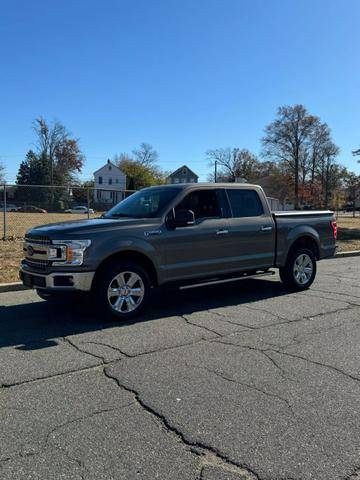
x: 68, y: 252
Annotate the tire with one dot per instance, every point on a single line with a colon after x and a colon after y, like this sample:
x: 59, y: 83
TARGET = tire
x: 115, y: 291
x: 300, y: 269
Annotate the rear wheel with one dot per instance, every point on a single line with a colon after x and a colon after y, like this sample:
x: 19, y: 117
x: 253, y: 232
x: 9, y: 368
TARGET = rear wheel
x: 122, y: 290
x: 300, y: 269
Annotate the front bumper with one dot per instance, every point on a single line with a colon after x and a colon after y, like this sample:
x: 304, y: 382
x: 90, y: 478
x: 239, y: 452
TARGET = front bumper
x: 57, y: 281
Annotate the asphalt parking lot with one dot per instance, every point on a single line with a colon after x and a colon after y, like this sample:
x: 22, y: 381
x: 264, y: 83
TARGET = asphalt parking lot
x: 238, y: 381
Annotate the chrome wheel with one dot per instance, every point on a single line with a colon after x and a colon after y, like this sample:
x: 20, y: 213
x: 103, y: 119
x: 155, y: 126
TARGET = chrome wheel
x: 303, y: 269
x: 126, y: 292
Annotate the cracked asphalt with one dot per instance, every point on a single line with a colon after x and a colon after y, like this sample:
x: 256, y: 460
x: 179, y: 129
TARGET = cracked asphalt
x: 237, y: 381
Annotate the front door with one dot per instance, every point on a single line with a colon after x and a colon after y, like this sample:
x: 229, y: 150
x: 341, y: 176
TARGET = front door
x: 200, y: 249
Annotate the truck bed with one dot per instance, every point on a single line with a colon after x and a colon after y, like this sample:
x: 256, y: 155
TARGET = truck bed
x: 316, y: 224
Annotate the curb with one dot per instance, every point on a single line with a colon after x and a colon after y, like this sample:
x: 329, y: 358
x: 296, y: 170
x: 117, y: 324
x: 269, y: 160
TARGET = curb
x: 351, y: 253
x: 12, y: 287
x: 18, y: 286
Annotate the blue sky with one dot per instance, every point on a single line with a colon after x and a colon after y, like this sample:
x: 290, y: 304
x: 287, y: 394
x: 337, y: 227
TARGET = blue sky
x: 183, y: 75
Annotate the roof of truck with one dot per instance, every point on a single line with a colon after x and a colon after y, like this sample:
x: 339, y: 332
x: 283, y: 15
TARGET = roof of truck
x: 205, y: 184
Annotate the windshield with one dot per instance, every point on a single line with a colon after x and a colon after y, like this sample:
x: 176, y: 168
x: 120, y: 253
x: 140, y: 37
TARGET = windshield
x: 147, y: 203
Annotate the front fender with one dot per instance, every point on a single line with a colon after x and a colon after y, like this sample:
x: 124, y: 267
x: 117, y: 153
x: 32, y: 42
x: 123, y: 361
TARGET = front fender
x: 104, y: 249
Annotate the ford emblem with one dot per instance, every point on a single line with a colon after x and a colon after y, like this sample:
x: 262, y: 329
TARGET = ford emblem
x: 30, y: 251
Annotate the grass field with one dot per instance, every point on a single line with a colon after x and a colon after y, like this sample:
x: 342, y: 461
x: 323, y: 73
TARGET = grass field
x: 11, y: 250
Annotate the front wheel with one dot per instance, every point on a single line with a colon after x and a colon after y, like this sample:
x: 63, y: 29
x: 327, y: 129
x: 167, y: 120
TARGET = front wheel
x: 300, y: 269
x: 122, y: 291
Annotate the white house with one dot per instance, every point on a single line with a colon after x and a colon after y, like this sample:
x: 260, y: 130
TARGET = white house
x: 110, y: 183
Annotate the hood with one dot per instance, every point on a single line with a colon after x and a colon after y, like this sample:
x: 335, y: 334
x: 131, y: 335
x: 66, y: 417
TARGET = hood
x: 82, y: 227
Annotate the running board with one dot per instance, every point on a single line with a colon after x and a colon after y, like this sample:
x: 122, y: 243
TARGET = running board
x: 227, y: 280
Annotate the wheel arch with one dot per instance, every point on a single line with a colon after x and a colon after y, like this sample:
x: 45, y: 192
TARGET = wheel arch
x: 305, y: 241
x: 128, y: 255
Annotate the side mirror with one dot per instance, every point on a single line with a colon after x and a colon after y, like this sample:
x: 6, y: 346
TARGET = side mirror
x: 182, y: 218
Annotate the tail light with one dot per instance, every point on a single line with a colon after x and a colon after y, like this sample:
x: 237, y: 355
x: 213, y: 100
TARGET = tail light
x: 334, y: 228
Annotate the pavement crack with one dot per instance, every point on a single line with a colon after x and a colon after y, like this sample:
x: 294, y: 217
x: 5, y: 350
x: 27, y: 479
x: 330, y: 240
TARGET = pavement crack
x: 103, y: 344
x: 82, y: 418
x: 79, y: 349
x: 51, y: 377
x: 314, y: 362
x: 247, y: 385
x: 188, y: 443
x: 208, y: 329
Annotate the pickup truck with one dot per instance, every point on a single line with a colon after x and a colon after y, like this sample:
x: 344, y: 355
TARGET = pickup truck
x: 182, y: 234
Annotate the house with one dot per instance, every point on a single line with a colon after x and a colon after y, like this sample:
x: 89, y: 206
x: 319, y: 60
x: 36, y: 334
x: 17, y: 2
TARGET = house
x: 110, y: 184
x: 182, y: 175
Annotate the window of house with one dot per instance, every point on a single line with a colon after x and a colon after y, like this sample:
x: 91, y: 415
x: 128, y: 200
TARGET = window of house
x: 100, y: 180
x: 204, y: 204
x: 176, y: 180
x: 98, y: 194
x: 109, y: 167
x: 116, y: 180
x: 245, y: 203
x: 110, y: 181
x: 184, y: 171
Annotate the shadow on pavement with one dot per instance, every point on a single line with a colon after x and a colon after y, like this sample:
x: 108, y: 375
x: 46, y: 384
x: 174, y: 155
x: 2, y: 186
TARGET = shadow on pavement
x: 35, y: 325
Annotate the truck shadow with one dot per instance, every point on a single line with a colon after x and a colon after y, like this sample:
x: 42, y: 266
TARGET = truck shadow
x: 37, y: 325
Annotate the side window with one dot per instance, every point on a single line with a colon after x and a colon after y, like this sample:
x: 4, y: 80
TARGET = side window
x: 245, y: 203
x: 100, y: 180
x: 204, y: 204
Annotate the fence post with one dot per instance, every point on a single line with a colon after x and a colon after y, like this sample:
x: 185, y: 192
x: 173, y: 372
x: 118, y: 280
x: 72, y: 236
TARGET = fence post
x: 4, y: 225
x: 88, y: 201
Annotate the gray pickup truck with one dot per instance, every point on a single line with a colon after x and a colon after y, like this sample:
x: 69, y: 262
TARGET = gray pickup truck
x: 175, y: 234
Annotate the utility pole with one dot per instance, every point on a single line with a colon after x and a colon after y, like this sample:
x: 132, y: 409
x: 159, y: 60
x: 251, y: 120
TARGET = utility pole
x: 215, y: 173
x: 5, y: 208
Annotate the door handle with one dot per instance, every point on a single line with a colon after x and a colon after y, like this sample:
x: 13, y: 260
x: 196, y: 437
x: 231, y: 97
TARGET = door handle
x: 266, y: 229
x: 222, y: 232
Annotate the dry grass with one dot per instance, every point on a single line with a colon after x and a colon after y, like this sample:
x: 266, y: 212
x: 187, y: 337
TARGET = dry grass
x: 17, y: 223
x: 11, y: 251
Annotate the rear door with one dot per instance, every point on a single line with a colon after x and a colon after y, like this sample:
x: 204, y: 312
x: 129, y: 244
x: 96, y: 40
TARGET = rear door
x: 251, y: 241
x: 200, y: 249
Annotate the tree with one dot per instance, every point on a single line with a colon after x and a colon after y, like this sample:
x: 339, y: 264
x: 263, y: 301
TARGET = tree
x: 288, y: 138
x: 146, y: 155
x: 82, y: 192
x: 233, y: 163
x: 33, y: 171
x: 140, y: 176
x: 357, y: 154
x: 62, y: 152
x: 141, y: 169
x: 352, y: 183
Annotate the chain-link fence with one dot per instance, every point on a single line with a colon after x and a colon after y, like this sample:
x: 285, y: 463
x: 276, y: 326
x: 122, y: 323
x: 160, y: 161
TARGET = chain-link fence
x: 26, y: 206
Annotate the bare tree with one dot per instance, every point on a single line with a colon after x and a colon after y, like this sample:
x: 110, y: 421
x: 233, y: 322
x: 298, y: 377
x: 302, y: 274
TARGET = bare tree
x: 331, y: 171
x: 146, y: 155
x: 55, y: 145
x: 287, y: 139
x: 357, y: 153
x: 320, y: 139
x: 233, y: 163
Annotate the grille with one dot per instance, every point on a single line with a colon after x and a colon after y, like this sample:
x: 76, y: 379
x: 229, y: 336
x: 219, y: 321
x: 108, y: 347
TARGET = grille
x: 39, y: 239
x: 37, y: 264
